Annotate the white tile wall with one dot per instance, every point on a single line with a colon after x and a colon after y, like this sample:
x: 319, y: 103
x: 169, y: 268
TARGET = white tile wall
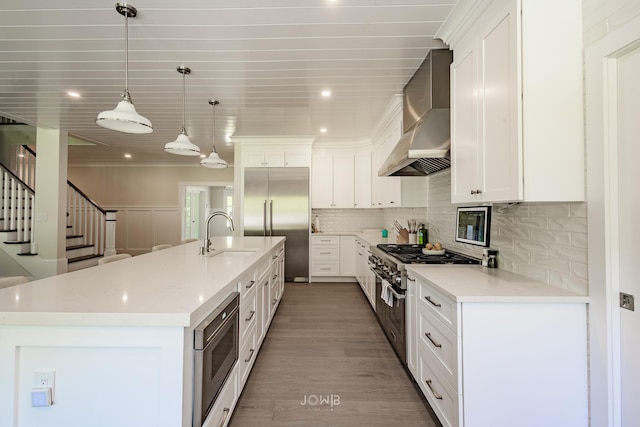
x: 543, y: 241
x: 357, y: 219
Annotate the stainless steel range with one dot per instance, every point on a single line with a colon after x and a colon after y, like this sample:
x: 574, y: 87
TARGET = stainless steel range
x: 388, y: 262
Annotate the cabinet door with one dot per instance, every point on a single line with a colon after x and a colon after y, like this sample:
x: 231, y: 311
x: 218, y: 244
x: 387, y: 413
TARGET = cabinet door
x: 362, y: 179
x: 343, y: 181
x: 501, y: 159
x: 465, y: 146
x: 322, y: 181
x: 347, y: 256
x: 295, y: 159
x: 254, y: 159
x: 274, y: 159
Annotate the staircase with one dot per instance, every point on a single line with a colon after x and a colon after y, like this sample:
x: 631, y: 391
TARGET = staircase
x: 86, y: 234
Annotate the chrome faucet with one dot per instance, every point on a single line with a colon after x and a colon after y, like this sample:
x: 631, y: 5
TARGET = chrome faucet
x: 207, y: 241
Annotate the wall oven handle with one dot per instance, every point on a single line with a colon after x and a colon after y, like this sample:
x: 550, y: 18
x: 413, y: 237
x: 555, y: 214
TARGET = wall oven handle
x: 436, y: 395
x: 435, y: 304
x: 435, y: 344
x: 397, y: 295
x: 226, y: 412
x: 251, y: 353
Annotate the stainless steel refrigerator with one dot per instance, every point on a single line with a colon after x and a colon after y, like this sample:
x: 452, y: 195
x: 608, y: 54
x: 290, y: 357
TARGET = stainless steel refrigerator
x: 276, y: 203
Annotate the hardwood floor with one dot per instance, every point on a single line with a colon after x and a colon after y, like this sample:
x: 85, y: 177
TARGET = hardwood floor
x: 326, y: 362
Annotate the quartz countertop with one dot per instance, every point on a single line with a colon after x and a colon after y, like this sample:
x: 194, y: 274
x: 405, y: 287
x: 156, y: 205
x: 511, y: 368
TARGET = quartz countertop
x: 481, y: 284
x: 171, y: 287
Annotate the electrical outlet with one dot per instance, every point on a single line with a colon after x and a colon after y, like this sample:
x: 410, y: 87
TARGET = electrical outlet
x: 44, y: 378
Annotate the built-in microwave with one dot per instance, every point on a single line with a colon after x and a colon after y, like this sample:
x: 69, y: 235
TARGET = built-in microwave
x: 215, y: 355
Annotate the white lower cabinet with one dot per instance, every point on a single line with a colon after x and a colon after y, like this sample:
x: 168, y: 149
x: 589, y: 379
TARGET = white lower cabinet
x: 261, y: 291
x: 498, y: 361
x: 364, y: 275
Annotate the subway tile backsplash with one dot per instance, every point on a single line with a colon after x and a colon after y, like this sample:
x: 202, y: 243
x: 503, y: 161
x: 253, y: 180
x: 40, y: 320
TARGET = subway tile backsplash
x: 543, y: 241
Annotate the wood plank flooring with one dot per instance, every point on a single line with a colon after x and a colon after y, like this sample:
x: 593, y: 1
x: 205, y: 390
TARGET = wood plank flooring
x: 326, y: 362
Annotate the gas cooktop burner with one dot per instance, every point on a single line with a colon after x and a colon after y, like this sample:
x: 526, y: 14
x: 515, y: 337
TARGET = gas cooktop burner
x: 412, y: 254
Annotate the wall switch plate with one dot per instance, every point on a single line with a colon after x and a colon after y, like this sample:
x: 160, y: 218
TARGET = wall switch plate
x: 627, y: 301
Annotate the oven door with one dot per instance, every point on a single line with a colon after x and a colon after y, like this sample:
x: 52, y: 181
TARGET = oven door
x: 392, y: 318
x: 216, y: 352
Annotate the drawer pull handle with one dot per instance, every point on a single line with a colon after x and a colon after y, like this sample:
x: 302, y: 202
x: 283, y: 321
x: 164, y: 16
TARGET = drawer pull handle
x: 325, y: 268
x: 325, y: 253
x: 435, y: 304
x: 435, y: 344
x: 250, y: 285
x: 275, y: 300
x: 436, y: 395
x: 275, y: 276
x: 250, y: 355
x: 226, y: 412
x: 248, y: 319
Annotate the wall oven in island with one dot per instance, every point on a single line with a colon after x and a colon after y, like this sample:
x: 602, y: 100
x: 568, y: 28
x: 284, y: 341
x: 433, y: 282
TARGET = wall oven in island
x: 216, y: 353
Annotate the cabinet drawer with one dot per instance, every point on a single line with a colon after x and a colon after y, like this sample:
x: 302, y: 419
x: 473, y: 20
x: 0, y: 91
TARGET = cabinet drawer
x: 325, y: 252
x: 221, y: 412
x: 442, y: 397
x: 248, y: 313
x: 436, y: 338
x: 442, y: 307
x: 246, y: 356
x: 326, y: 268
x: 325, y: 240
x: 246, y: 285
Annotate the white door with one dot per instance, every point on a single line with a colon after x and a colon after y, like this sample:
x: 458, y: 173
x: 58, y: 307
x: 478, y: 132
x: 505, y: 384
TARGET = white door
x: 628, y: 230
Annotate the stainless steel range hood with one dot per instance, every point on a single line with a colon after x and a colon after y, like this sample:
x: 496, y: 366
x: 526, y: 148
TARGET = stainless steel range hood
x: 424, y: 147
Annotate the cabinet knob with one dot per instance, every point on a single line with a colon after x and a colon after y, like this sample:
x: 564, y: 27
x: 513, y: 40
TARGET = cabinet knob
x: 478, y: 191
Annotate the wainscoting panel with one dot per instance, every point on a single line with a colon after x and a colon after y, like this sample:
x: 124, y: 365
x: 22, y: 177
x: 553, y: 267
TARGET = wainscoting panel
x: 140, y: 228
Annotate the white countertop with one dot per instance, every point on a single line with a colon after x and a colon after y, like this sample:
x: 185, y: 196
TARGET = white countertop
x: 481, y: 284
x: 171, y: 287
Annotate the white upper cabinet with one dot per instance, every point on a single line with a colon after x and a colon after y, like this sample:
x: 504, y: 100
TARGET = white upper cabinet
x: 362, y: 176
x: 516, y: 101
x: 332, y: 180
x: 274, y: 152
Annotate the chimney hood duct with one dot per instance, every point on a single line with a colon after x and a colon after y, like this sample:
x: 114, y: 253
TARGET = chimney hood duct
x: 424, y: 147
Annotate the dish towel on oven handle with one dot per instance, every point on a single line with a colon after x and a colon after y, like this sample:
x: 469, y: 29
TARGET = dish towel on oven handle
x: 386, y: 294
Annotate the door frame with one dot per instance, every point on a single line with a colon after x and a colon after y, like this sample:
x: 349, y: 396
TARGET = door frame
x: 182, y: 194
x: 602, y: 209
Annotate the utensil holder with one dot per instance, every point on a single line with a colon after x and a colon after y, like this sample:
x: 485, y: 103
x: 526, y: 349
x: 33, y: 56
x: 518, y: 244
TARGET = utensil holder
x: 413, y: 238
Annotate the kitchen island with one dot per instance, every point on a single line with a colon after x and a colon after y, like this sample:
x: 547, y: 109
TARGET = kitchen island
x: 119, y: 336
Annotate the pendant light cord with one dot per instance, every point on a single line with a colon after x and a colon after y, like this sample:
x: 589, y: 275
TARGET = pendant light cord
x: 126, y: 53
x: 213, y: 136
x: 183, y: 100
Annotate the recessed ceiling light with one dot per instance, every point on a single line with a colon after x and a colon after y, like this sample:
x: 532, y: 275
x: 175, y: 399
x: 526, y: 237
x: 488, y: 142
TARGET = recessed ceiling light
x: 326, y: 93
x: 202, y: 156
x: 323, y: 130
x: 127, y: 156
x: 74, y: 94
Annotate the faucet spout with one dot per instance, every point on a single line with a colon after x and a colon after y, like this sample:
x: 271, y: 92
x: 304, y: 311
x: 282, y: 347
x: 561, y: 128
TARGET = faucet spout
x: 207, y: 241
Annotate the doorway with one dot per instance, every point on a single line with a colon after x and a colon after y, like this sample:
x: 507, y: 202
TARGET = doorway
x: 198, y: 200
x: 613, y: 102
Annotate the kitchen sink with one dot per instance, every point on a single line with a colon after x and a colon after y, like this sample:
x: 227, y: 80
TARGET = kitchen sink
x: 231, y: 252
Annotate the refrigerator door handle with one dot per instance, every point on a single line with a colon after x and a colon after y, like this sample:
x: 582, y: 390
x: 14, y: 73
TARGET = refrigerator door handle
x: 264, y: 218
x: 270, y: 217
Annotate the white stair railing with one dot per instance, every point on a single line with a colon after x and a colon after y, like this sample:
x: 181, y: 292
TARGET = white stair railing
x: 17, y: 206
x: 85, y: 217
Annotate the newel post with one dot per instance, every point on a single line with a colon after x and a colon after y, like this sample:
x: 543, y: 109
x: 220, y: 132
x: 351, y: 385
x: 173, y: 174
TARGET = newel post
x: 110, y: 233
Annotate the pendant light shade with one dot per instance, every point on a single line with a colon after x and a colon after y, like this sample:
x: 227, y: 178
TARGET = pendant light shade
x: 183, y: 145
x: 125, y: 118
x: 213, y: 161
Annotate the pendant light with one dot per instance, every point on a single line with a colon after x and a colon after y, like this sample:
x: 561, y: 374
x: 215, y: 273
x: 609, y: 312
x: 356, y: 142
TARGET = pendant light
x: 124, y: 117
x: 213, y: 161
x: 182, y: 145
